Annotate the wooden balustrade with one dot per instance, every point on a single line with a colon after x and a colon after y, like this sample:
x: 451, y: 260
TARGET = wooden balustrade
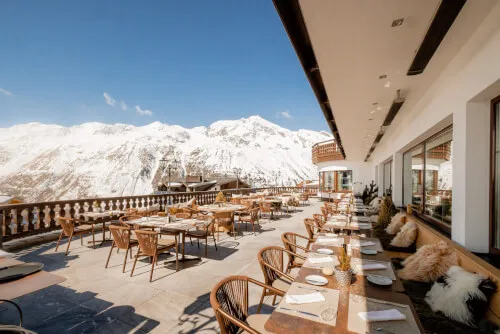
x: 326, y: 151
x: 21, y: 220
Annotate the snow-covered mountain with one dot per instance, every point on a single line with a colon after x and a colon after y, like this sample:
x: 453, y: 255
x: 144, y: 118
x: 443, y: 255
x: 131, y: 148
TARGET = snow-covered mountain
x: 48, y: 162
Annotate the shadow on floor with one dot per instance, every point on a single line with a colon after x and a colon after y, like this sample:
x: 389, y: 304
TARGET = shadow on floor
x: 59, y: 309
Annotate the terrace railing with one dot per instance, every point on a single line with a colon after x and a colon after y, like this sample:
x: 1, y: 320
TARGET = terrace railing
x: 21, y: 220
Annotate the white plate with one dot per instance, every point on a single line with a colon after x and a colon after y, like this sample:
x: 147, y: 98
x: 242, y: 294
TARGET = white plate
x: 369, y: 251
x: 316, y: 280
x: 379, y: 280
x: 325, y: 251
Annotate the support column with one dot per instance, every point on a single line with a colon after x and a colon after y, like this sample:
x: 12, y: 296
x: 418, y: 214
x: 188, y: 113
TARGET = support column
x: 471, y: 157
x: 397, y: 179
x: 380, y: 179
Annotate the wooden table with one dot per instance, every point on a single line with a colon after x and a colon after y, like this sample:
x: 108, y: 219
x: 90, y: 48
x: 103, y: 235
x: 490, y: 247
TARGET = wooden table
x: 284, y: 323
x: 179, y: 228
x: 100, y: 218
x: 380, y: 256
x: 28, y: 284
x: 227, y: 208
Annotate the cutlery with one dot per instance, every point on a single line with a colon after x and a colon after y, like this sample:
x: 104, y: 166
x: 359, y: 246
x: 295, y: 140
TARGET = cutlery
x: 314, y: 281
x: 303, y: 312
x: 319, y: 290
x: 376, y: 301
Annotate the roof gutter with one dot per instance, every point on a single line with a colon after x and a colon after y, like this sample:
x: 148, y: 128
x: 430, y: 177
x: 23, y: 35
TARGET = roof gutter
x: 293, y: 21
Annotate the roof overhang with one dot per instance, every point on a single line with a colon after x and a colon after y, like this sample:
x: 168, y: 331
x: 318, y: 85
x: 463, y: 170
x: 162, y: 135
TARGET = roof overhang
x: 358, y: 54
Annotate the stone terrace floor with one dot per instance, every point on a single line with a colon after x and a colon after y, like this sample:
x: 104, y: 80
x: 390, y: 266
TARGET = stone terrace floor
x: 98, y: 300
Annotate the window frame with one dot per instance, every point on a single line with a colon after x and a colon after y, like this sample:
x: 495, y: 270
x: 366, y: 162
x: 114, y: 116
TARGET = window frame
x: 443, y: 227
x: 493, y: 133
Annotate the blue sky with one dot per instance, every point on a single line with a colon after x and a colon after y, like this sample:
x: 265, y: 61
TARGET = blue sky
x: 180, y: 62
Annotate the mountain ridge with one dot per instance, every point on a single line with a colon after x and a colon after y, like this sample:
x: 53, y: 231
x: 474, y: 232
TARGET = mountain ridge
x: 42, y: 162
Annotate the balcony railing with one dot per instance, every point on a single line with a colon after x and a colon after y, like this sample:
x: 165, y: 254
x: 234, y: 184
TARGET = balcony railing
x: 326, y: 151
x: 21, y: 220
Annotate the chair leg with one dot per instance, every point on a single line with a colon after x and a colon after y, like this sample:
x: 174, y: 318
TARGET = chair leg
x: 274, y: 300
x: 261, y: 300
x: 198, y: 243
x: 69, y: 243
x: 206, y: 246
x: 135, y: 261
x: 152, y: 268
x: 93, y: 236
x: 191, y: 241
x: 58, y: 241
x: 109, y: 256
x: 176, y: 258
x: 215, y: 243
x: 124, y: 260
x: 81, y: 239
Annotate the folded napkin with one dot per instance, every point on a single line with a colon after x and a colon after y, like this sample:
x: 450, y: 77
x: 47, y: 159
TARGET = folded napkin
x: 316, y: 260
x: 314, y: 297
x: 371, y: 266
x: 385, y: 315
x: 356, y: 242
x: 329, y: 241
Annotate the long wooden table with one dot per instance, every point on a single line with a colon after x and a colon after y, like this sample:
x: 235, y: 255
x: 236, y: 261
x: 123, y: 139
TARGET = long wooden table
x: 28, y: 284
x: 285, y: 323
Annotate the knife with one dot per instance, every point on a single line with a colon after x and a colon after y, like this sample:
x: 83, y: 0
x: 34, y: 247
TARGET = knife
x: 303, y: 312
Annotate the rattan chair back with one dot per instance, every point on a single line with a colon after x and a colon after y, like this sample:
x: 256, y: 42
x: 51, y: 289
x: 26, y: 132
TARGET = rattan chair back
x: 127, y: 221
x: 121, y: 236
x: 183, y: 215
x: 148, y: 242
x: 310, y: 227
x: 67, y: 225
x: 131, y: 211
x: 265, y: 207
x: 273, y: 257
x: 223, y: 217
x: 289, y: 240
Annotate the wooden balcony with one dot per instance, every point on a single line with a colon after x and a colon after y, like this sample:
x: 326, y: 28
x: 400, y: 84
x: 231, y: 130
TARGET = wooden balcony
x: 326, y: 151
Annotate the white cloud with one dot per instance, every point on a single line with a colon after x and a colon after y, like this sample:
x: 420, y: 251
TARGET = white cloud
x: 6, y: 92
x: 143, y: 112
x: 285, y: 114
x: 123, y: 105
x: 109, y: 100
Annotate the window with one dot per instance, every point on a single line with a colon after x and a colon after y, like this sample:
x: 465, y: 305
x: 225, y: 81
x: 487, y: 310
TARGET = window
x: 438, y: 177
x: 427, y: 178
x: 336, y: 181
x: 387, y: 177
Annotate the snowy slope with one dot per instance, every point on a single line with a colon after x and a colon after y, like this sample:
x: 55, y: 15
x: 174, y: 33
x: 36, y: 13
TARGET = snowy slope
x: 47, y: 162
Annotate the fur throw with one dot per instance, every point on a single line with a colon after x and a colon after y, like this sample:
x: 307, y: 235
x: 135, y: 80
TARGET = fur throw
x: 406, y: 236
x: 396, y: 223
x: 461, y: 295
x: 375, y: 203
x: 429, y: 263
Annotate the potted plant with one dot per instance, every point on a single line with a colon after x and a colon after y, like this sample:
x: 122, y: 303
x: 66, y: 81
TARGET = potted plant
x: 343, y: 272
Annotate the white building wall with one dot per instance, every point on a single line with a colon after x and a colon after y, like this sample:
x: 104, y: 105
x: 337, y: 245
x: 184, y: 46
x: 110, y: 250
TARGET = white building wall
x: 460, y: 96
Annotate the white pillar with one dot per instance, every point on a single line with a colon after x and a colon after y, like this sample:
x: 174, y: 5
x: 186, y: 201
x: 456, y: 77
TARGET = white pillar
x: 380, y: 179
x: 471, y: 157
x: 397, y: 179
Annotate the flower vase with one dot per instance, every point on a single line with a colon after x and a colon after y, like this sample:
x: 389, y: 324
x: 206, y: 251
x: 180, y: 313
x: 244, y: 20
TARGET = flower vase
x: 343, y: 277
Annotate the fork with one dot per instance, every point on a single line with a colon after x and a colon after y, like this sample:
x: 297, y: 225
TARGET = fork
x: 319, y: 290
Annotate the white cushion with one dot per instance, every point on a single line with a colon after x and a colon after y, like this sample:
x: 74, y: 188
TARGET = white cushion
x: 406, y: 236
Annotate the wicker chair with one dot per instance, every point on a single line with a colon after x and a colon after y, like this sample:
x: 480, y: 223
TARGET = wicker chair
x: 229, y: 300
x: 224, y: 218
x: 202, y: 233
x: 252, y: 218
x: 266, y: 208
x: 183, y: 215
x: 271, y: 262
x: 150, y: 245
x: 131, y: 211
x: 235, y: 200
x: 312, y: 228
x: 304, y: 198
x: 289, y: 240
x: 121, y: 240
x: 69, y: 230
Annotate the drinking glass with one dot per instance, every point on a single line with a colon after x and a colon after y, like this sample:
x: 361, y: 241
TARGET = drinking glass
x: 329, y: 313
